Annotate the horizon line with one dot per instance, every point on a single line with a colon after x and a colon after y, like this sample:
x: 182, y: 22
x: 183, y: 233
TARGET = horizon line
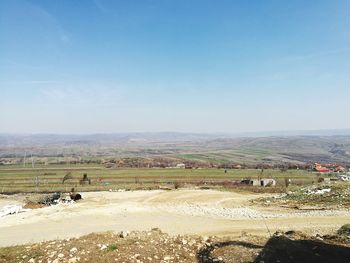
x: 347, y: 130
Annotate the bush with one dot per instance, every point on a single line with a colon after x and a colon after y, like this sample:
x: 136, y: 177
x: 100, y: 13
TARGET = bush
x: 112, y: 247
x: 177, y: 185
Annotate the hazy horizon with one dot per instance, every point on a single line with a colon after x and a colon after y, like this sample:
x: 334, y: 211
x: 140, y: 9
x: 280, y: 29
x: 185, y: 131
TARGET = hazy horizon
x: 99, y: 66
x: 323, y: 132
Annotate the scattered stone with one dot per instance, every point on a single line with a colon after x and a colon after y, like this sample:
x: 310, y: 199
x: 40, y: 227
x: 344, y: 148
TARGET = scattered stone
x: 167, y: 258
x: 103, y: 247
x: 192, y: 242
x: 344, y: 230
x: 124, y: 234
x: 278, y: 233
x: 290, y: 232
x: 73, y: 260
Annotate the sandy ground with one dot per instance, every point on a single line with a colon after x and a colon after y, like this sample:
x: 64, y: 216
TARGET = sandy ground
x: 201, y: 212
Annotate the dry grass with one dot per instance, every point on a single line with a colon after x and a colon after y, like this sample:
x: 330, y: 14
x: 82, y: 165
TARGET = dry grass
x: 47, y: 180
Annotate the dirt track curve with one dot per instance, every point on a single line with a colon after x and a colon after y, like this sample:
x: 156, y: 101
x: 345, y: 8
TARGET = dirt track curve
x: 202, y: 212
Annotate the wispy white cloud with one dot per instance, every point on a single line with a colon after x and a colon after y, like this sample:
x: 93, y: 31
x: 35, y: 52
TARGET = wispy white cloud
x: 36, y: 13
x: 6, y: 64
x: 101, y: 7
x: 55, y: 94
x: 82, y: 96
x: 63, y: 35
x: 316, y: 55
x: 27, y: 82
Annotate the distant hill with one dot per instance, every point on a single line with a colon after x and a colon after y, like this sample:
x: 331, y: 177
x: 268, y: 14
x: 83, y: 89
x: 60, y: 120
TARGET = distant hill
x: 115, y: 138
x: 327, y: 146
x: 102, y: 138
x: 275, y: 149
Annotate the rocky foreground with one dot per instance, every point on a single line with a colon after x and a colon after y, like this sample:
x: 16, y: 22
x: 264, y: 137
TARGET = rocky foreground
x: 155, y: 246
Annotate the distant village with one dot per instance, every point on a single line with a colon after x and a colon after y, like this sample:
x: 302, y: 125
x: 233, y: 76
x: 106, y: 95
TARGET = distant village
x: 330, y: 168
x: 171, y: 162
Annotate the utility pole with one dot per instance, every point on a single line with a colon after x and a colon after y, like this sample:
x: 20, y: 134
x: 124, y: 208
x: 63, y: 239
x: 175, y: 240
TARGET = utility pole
x: 24, y: 159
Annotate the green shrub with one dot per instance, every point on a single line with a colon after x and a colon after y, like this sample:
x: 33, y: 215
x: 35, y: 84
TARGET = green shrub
x: 112, y: 247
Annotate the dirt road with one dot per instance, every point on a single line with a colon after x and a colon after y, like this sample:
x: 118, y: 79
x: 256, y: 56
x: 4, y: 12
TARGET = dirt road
x: 202, y: 212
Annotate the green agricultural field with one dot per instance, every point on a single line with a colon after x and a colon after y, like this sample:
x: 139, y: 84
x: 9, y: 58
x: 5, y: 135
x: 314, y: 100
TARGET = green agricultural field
x: 14, y: 179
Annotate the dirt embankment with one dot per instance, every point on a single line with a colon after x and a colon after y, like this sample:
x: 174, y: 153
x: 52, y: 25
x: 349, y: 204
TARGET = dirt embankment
x: 155, y: 246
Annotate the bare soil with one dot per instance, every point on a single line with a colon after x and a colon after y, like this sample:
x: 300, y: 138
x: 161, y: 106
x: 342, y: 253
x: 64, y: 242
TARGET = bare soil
x: 177, y: 212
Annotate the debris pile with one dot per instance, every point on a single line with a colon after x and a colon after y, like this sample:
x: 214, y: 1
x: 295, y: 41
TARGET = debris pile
x: 343, y: 177
x: 328, y: 196
x: 50, y: 199
x: 73, y: 196
x: 53, y: 199
x: 318, y: 191
x: 12, y: 209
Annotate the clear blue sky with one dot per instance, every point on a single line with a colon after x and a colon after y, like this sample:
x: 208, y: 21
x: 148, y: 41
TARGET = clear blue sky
x: 181, y: 65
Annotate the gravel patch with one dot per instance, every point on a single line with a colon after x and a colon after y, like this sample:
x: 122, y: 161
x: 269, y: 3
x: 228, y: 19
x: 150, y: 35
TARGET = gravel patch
x: 243, y: 212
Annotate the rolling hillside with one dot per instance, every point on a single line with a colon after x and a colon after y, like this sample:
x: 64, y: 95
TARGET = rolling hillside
x: 201, y: 147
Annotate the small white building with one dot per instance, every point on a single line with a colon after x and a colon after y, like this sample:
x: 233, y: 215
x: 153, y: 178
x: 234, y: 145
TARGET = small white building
x: 267, y: 182
x: 260, y: 182
x: 180, y: 165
